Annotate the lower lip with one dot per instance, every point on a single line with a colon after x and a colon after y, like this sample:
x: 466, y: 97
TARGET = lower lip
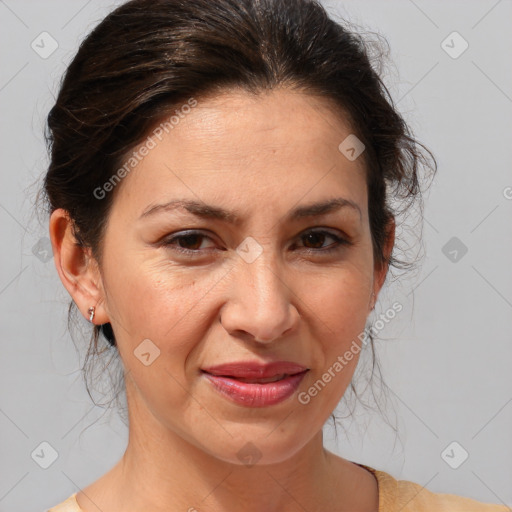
x: 256, y: 395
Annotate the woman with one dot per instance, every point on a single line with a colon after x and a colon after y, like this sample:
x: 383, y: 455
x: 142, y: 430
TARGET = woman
x: 219, y: 188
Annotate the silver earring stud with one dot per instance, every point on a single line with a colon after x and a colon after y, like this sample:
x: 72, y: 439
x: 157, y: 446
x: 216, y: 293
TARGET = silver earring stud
x: 91, y: 313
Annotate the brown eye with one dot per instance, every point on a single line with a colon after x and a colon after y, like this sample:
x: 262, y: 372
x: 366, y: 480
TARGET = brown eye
x: 314, y: 241
x: 188, y: 243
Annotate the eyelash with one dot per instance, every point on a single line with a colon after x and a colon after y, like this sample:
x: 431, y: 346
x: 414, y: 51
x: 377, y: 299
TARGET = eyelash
x: 339, y: 242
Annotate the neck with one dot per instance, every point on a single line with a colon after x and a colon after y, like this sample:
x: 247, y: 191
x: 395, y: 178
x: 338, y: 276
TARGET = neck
x: 162, y: 471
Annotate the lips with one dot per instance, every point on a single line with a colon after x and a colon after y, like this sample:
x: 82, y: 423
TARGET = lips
x: 254, y: 372
x: 261, y: 381
x: 254, y: 384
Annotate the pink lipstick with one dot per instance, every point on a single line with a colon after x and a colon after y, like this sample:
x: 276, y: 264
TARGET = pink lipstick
x: 255, y: 384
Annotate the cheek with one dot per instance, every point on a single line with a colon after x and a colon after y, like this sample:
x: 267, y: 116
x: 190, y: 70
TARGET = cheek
x: 339, y: 306
x: 156, y: 304
x: 339, y: 309
x: 167, y: 304
x: 340, y: 301
x: 164, y: 307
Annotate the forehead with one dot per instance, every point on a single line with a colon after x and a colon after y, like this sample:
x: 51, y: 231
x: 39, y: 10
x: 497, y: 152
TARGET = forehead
x: 266, y: 146
x: 274, y: 119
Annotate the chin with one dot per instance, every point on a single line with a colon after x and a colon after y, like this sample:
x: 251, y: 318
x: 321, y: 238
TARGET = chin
x: 273, y: 447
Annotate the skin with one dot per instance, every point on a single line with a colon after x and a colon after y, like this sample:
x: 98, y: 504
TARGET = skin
x: 261, y: 156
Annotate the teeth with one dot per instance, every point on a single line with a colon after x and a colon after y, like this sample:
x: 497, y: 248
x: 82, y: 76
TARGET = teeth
x: 261, y: 381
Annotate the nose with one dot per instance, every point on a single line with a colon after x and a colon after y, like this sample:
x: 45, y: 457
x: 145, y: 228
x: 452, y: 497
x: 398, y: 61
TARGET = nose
x: 258, y: 304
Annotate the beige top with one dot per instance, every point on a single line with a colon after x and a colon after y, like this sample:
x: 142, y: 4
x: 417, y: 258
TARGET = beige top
x: 394, y: 496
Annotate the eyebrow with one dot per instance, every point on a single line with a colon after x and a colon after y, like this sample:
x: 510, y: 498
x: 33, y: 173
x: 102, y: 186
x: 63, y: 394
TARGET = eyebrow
x: 206, y: 211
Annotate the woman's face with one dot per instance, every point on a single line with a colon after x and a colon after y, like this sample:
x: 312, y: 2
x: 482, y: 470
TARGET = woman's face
x: 266, y: 281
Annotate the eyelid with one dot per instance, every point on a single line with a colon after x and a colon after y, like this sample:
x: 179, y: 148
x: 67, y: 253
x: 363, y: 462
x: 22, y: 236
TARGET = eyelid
x: 167, y: 239
x: 341, y: 239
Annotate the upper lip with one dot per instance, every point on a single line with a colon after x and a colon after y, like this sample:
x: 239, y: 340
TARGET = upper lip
x: 249, y: 369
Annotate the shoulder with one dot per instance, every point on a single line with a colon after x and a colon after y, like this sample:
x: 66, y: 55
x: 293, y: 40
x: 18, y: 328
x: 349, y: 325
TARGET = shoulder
x: 69, y: 505
x: 412, y: 497
x: 409, y: 496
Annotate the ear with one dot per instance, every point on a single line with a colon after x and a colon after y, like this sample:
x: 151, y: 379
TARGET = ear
x: 77, y: 269
x: 381, y: 269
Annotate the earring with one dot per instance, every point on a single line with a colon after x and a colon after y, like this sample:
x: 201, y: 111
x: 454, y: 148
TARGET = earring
x: 91, y: 312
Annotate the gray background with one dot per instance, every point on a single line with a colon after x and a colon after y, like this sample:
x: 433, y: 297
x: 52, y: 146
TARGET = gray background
x: 446, y: 357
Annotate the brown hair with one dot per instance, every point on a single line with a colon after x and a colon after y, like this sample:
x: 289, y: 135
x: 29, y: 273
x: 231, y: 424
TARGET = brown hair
x: 149, y: 56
